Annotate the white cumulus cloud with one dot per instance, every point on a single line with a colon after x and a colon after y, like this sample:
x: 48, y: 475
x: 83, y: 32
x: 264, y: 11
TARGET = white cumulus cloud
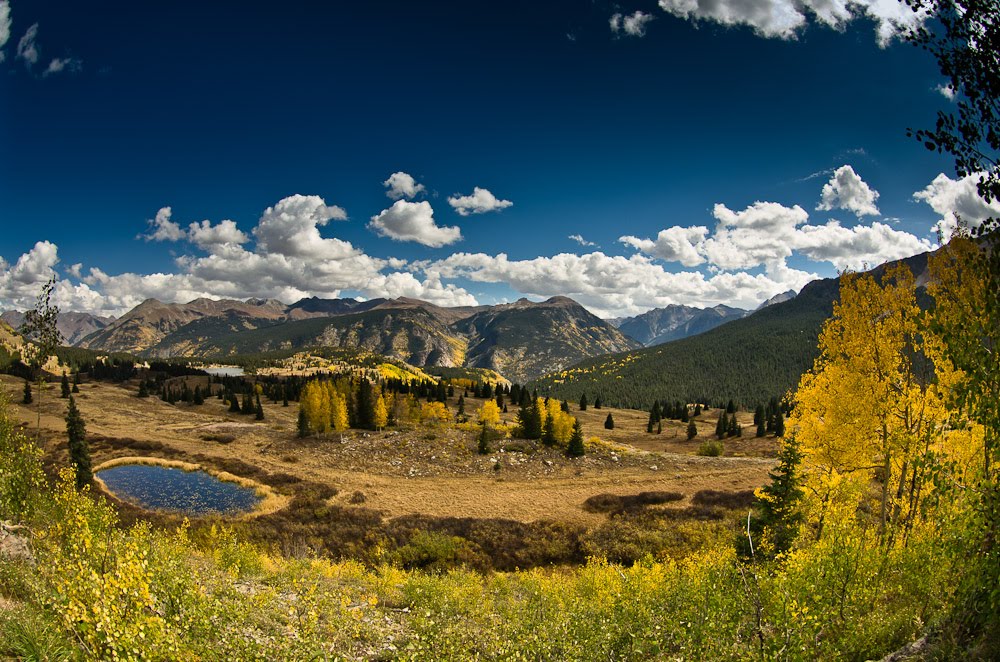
x: 401, y: 185
x: 846, y: 190
x: 479, y: 202
x: 957, y: 198
x: 206, y: 236
x: 413, y: 221
x: 633, y: 24
x: 5, y: 23
x: 580, y: 240
x: 784, y: 19
x: 291, y: 228
x: 675, y: 244
x: 161, y: 228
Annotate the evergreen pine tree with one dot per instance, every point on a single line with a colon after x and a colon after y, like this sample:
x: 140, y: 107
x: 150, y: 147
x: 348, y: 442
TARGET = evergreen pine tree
x: 234, y: 403
x: 776, y: 510
x: 722, y: 426
x: 575, y: 447
x: 659, y: 427
x: 460, y: 413
x: 366, y: 406
x: 597, y: 402
x: 734, y: 427
x: 758, y: 417
x: 284, y: 397
x: 609, y: 422
x: 684, y: 414
x: 303, y: 423
x: 259, y: 410
x: 484, y: 441
x: 779, y: 425
x: 564, y: 406
x: 692, y: 430
x: 583, y: 402
x: 697, y: 409
x: 76, y: 382
x: 65, y: 386
x: 761, y: 428
x: 247, y: 407
x: 499, y: 399
x: 198, y: 398
x: 27, y: 393
x: 79, y: 452
x: 731, y: 407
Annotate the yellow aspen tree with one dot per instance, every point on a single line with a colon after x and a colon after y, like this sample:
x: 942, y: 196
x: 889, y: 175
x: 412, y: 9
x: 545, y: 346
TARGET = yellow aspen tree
x: 489, y: 413
x: 381, y: 417
x: 338, y: 413
x: 868, y: 407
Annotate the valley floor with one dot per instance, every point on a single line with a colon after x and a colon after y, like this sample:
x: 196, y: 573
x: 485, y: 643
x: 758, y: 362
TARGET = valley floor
x: 422, y: 470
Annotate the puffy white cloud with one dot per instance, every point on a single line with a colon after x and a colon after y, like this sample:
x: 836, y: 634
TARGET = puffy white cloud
x: 402, y: 185
x: 63, y: 64
x: 857, y: 247
x: 480, y: 202
x: 760, y: 234
x: 27, y: 47
x: 580, y: 240
x: 767, y: 234
x: 954, y: 198
x: 784, y: 19
x: 413, y: 221
x: 675, y: 244
x: 161, y: 228
x: 5, y: 24
x: 615, y: 285
x: 633, y: 24
x: 404, y: 284
x: 291, y: 228
x: 947, y: 91
x: 207, y: 236
x: 846, y: 190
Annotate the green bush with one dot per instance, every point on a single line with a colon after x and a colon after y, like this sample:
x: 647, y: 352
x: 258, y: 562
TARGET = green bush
x: 710, y: 448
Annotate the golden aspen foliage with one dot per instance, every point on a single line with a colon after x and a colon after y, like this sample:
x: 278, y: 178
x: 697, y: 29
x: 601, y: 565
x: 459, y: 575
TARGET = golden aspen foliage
x: 381, y: 413
x: 489, y: 413
x: 870, y: 406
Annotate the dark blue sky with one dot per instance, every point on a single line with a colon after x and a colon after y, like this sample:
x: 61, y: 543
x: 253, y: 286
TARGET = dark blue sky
x: 220, y: 110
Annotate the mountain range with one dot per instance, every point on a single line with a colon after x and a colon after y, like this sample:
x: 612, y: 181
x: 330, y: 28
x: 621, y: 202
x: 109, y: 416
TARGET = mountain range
x: 748, y: 360
x: 74, y: 327
x: 520, y: 340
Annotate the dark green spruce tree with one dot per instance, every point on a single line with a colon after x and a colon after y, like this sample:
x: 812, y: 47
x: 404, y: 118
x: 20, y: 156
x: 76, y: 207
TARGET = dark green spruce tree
x: 775, y: 519
x: 27, y: 393
x: 64, y: 385
x: 609, y: 422
x: 79, y: 452
x: 575, y: 446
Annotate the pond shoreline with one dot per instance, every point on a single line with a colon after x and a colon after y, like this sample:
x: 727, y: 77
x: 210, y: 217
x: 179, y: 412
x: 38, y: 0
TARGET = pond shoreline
x: 270, y: 501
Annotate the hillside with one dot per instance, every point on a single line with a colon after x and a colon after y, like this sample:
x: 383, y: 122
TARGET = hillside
x: 410, y: 334
x: 523, y: 340
x: 674, y: 322
x: 152, y: 321
x: 748, y: 360
x: 74, y: 327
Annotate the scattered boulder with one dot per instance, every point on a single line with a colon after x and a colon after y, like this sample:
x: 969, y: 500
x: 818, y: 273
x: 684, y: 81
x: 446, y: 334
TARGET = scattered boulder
x: 14, y: 543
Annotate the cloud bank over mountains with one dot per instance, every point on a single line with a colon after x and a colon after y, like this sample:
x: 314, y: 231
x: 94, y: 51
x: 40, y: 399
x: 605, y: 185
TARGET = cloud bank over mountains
x: 293, y: 252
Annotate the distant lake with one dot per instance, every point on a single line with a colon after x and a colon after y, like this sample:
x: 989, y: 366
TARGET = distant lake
x: 193, y: 493
x: 225, y: 371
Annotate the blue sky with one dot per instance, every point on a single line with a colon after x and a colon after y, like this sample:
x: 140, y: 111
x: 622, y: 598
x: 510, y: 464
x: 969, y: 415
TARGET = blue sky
x: 704, y: 156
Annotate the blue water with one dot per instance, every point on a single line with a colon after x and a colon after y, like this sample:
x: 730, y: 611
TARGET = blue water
x: 192, y: 493
x: 225, y: 371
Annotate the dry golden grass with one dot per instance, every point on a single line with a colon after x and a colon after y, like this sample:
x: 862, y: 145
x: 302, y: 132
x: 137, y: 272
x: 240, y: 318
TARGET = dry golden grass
x: 417, y: 470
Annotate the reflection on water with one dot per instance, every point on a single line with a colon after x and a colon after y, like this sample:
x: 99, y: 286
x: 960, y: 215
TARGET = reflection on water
x: 225, y: 371
x: 188, y: 492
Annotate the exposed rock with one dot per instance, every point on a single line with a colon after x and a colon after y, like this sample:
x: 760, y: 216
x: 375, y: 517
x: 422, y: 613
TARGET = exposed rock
x: 14, y: 543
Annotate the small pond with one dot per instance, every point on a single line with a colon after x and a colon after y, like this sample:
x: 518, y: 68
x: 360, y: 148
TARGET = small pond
x: 193, y: 493
x: 225, y: 371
